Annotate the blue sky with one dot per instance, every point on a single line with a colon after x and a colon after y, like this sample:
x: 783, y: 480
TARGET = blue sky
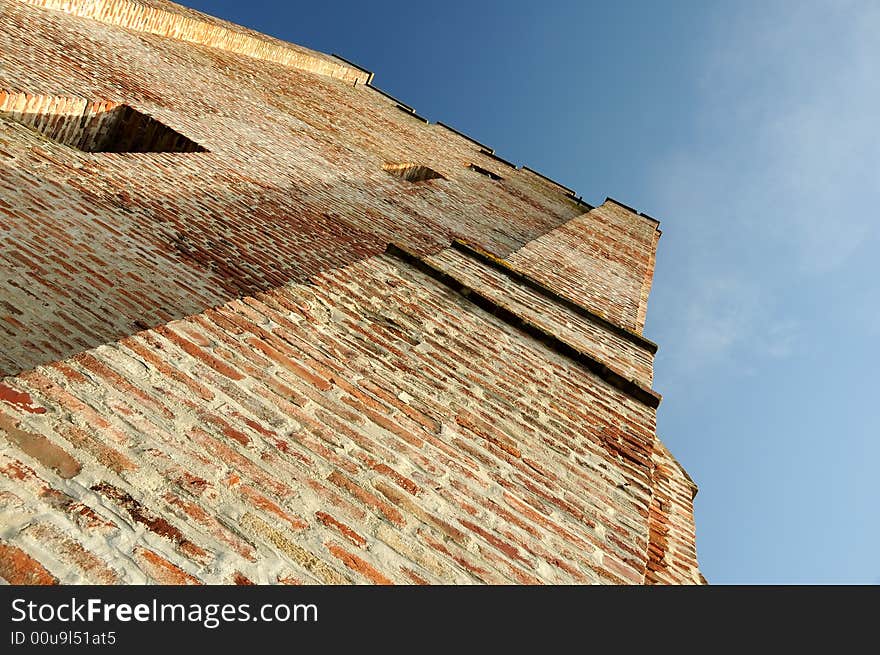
x: 750, y: 130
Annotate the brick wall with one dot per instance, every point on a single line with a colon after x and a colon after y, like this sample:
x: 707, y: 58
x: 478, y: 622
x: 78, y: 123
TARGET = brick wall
x: 372, y: 426
x: 672, y: 554
x: 603, y: 260
x: 177, y: 22
x: 219, y: 372
x: 297, y: 191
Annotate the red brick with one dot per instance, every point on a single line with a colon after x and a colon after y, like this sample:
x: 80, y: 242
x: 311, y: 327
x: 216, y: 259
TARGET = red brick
x: 241, y: 579
x: 297, y: 369
x: 160, y: 570
x: 499, y: 544
x: 486, y: 431
x: 19, y: 399
x: 203, y: 356
x: 201, y: 516
x: 120, y: 384
x: 257, y: 499
x: 367, y: 498
x: 343, y: 529
x: 151, y: 358
x: 357, y: 564
x: 412, y: 509
x: 400, y: 480
x: 19, y: 568
x: 412, y: 575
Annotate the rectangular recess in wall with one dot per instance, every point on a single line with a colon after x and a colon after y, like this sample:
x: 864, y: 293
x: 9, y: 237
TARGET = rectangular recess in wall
x: 93, y: 126
x: 485, y: 171
x: 412, y: 172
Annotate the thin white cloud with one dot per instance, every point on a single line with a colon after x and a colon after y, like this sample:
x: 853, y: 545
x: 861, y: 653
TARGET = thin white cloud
x: 721, y: 319
x: 783, y: 186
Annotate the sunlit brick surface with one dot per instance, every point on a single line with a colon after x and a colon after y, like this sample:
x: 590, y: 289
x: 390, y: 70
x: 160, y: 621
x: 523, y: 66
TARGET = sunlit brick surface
x: 216, y: 373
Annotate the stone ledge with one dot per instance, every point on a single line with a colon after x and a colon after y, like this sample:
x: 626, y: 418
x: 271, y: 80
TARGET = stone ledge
x: 634, y: 211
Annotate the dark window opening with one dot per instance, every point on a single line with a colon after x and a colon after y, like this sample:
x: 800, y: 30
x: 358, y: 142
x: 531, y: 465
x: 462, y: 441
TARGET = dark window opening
x: 100, y: 126
x: 484, y: 171
x: 412, y: 172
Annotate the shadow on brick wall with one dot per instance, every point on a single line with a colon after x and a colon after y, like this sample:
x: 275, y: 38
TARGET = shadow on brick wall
x: 115, y: 244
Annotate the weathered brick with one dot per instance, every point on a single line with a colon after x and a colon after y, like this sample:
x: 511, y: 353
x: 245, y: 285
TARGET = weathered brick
x: 40, y: 448
x: 311, y: 562
x: 358, y: 565
x: 153, y: 521
x: 343, y: 529
x: 366, y: 497
x: 106, y: 455
x: 71, y: 551
x: 17, y: 567
x: 158, y: 569
x: 19, y: 399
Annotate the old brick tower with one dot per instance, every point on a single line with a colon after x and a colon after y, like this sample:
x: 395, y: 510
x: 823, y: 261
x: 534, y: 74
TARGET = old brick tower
x: 260, y: 321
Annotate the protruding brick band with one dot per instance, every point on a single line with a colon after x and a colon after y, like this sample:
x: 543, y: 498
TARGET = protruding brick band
x: 523, y: 278
x: 632, y: 388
